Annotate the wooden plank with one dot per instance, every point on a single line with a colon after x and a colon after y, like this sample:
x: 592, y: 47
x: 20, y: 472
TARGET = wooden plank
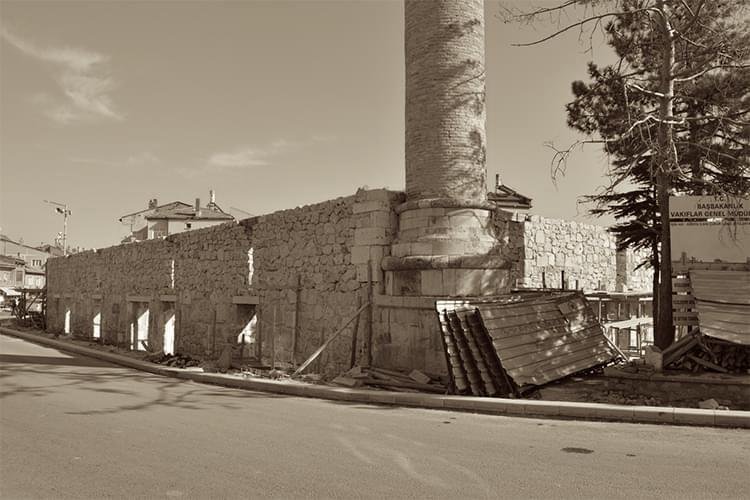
x: 683, y: 300
x: 406, y: 385
x: 213, y: 333
x: 273, y: 338
x: 707, y: 364
x: 685, y: 322
x: 682, y: 341
x: 685, y: 315
x: 295, y: 320
x: 680, y: 286
x: 329, y: 340
x: 319, y: 361
x: 368, y: 317
x: 353, y: 355
x: 677, y: 353
x: 629, y: 323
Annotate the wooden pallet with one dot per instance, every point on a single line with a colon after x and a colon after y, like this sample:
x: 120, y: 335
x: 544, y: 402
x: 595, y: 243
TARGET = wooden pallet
x: 683, y: 303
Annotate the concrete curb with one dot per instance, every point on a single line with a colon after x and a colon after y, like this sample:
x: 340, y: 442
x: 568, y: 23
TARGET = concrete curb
x: 494, y: 406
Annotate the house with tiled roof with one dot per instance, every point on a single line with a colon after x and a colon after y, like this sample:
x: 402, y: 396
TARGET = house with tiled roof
x: 159, y: 221
x: 31, y: 255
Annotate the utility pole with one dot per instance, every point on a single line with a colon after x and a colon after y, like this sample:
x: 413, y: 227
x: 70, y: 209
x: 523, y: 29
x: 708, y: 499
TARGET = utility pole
x: 65, y: 212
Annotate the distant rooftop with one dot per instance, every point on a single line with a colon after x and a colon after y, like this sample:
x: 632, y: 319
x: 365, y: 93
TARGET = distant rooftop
x: 209, y: 212
x: 507, y: 197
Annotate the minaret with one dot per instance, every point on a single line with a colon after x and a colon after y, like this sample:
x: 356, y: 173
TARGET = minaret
x: 446, y: 237
x: 445, y: 111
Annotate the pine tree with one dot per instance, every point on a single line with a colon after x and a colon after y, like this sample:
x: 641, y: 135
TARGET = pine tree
x: 672, y: 114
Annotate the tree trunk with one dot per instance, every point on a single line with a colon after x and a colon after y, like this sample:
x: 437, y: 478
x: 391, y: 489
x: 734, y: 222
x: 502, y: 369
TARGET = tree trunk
x: 655, y: 278
x: 664, y: 335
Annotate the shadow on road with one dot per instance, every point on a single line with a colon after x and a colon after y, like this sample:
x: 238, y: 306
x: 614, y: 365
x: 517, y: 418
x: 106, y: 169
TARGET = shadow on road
x: 51, y: 360
x: 47, y: 376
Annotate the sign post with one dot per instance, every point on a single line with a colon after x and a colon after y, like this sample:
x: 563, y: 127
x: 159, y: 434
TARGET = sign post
x: 710, y: 229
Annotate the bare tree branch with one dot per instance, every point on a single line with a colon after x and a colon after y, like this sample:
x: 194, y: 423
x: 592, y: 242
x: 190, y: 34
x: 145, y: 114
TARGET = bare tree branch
x: 582, y: 23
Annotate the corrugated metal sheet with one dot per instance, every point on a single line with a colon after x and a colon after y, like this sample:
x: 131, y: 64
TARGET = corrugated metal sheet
x: 722, y: 299
x: 512, y: 343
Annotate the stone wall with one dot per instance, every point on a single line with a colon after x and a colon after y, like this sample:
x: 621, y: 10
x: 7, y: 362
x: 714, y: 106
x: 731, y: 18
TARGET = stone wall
x: 212, y: 267
x: 305, y: 267
x: 629, y: 275
x: 314, y: 260
x: 199, y: 271
x: 303, y: 271
x: 585, y: 253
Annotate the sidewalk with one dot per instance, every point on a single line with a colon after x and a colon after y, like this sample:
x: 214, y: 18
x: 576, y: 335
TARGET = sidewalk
x: 494, y: 406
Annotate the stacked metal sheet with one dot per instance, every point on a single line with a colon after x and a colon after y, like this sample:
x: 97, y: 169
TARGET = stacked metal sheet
x: 722, y: 299
x: 512, y: 343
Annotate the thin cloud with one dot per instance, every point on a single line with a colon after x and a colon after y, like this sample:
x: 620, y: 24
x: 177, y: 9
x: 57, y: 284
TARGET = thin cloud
x: 143, y: 159
x: 82, y: 77
x: 240, y: 158
x: 249, y: 156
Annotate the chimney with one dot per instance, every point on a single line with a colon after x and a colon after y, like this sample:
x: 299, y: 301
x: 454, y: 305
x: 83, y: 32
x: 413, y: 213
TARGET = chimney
x: 498, y: 182
x: 211, y: 197
x: 198, y: 207
x: 152, y: 203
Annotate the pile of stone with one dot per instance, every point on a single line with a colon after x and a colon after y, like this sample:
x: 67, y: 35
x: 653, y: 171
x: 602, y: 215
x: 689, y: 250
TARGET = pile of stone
x: 415, y: 381
x: 697, y: 352
x: 174, y: 360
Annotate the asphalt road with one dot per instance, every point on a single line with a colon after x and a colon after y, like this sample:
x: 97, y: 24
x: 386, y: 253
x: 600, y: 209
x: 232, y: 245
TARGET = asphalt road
x: 74, y: 427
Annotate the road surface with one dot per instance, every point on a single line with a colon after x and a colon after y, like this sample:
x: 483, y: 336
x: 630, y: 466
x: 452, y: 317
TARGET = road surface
x: 74, y: 427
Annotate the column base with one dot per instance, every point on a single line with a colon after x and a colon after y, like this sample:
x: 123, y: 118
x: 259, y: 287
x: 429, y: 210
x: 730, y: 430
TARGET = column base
x: 447, y: 276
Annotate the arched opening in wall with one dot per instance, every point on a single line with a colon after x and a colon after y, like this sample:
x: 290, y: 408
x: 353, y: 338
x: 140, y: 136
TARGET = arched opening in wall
x: 247, y: 326
x: 96, y: 320
x: 67, y: 320
x: 97, y: 325
x: 168, y: 325
x: 139, y: 326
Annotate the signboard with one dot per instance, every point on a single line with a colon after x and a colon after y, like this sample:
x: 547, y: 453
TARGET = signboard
x: 710, y: 228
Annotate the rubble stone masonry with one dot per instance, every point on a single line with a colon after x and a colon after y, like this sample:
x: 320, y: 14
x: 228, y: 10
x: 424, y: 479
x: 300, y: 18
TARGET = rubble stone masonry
x: 309, y: 261
x: 302, y: 270
x: 586, y: 253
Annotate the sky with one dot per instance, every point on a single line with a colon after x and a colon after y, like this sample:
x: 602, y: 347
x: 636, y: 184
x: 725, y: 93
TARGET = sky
x: 272, y: 104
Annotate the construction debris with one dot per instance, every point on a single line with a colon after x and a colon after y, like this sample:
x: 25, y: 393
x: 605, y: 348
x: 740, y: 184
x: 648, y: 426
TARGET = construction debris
x: 420, y: 377
x: 512, y: 344
x: 697, y: 352
x: 173, y: 360
x: 391, y: 380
